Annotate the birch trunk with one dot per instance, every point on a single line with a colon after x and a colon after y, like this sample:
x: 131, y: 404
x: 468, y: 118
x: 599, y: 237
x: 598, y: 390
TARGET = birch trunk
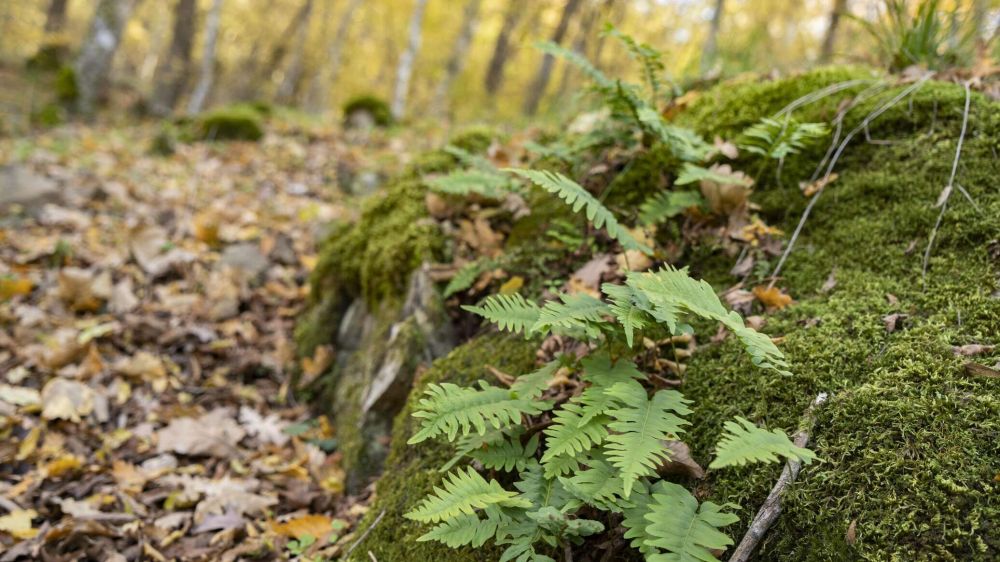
x: 173, y: 74
x: 541, y: 81
x: 93, y: 65
x: 207, y: 73
x: 290, y: 82
x: 459, y: 54
x: 404, y: 71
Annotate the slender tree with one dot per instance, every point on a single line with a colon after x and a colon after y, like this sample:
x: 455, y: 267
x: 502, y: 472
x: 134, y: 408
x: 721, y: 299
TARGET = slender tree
x: 582, y: 41
x: 537, y: 89
x: 459, y: 54
x: 502, y: 48
x: 710, y: 51
x: 93, y: 64
x: 207, y: 73
x: 830, y: 37
x: 173, y: 74
x: 280, y: 48
x: 290, y: 82
x: 334, y: 54
x: 404, y: 71
x: 55, y: 16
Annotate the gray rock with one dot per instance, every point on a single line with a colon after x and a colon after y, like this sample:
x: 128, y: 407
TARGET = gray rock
x: 246, y: 257
x: 21, y: 186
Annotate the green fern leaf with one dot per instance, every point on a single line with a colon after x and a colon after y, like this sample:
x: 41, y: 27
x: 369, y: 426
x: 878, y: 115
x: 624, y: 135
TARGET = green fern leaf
x: 466, y: 529
x: 623, y: 307
x: 650, y: 59
x: 686, y: 531
x: 532, y: 385
x: 509, y: 312
x: 666, y: 204
x: 463, y: 492
x: 540, y: 490
x: 634, y: 519
x: 568, y: 436
x: 466, y: 276
x: 692, y: 173
x: 745, y: 443
x: 574, y: 312
x: 684, y: 143
x: 581, y: 199
x: 602, y: 374
x: 599, y: 485
x: 464, y: 182
x: 641, y: 426
x: 448, y: 408
x: 507, y: 454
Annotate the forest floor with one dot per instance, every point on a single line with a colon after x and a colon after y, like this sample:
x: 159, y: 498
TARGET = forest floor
x: 152, y: 301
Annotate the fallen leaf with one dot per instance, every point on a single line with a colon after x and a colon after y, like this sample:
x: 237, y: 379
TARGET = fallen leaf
x: 893, y: 321
x: 313, y: 525
x: 269, y: 429
x: 726, y: 198
x: 83, y: 290
x: 143, y: 366
x: 772, y: 297
x: 982, y: 371
x: 18, y: 523
x: 66, y: 399
x: 19, y: 395
x: 512, y: 285
x: 679, y: 462
x: 11, y: 287
x: 215, y: 434
x: 966, y: 350
x: 852, y: 533
x: 812, y: 188
x: 830, y: 283
x: 61, y: 466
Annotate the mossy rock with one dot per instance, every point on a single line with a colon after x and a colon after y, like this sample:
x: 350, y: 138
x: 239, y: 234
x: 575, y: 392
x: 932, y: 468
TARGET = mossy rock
x: 236, y: 122
x: 909, y: 441
x: 414, y: 471
x: 375, y: 106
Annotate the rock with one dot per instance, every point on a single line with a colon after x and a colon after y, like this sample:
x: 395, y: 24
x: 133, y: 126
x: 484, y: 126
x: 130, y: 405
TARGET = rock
x: 21, y: 186
x: 247, y: 258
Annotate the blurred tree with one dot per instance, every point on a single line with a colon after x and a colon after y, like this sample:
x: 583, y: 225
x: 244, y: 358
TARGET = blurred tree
x: 404, y: 71
x: 594, y: 11
x: 55, y: 16
x: 207, y: 74
x: 98, y: 50
x: 334, y: 54
x: 541, y: 80
x: 502, y: 48
x: 290, y: 81
x: 459, y: 54
x: 709, y: 52
x: 173, y: 74
x: 830, y: 37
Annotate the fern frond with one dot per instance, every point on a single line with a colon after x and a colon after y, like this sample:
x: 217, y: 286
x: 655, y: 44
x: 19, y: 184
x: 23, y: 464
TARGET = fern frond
x: 602, y: 374
x: 464, y: 530
x: 684, y: 143
x: 558, y: 466
x: 466, y: 276
x: 448, y: 408
x: 692, y: 173
x: 624, y: 309
x: 641, y: 426
x: 532, y: 385
x: 634, y: 520
x: 581, y: 199
x: 541, y: 490
x: 778, y: 139
x: 666, y: 204
x: 745, y: 443
x: 599, y: 485
x: 574, y: 312
x: 509, y: 312
x: 463, y: 492
x: 687, y: 531
x: 507, y: 454
x: 649, y: 58
x: 570, y: 435
x: 464, y: 182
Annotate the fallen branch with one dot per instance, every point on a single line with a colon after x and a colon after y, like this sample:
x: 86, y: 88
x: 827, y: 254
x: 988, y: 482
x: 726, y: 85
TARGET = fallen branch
x: 347, y: 555
x: 769, y: 512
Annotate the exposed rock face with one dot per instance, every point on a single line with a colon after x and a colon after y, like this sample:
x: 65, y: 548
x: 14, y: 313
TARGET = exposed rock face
x: 379, y: 354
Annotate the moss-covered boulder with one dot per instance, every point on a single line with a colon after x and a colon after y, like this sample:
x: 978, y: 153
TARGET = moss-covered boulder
x: 365, y: 111
x: 415, y: 469
x: 235, y: 122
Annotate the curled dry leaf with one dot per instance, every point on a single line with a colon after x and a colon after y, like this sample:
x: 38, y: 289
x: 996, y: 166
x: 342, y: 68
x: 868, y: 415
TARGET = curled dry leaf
x: 812, y: 188
x: 772, y: 297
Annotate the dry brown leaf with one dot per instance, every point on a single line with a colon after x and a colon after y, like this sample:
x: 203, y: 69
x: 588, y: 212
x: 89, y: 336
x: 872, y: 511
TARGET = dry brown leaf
x: 214, y: 434
x: 772, y: 297
x: 972, y: 349
x: 316, y: 526
x: 18, y: 524
x: 726, y: 198
x: 812, y: 188
x: 67, y: 400
x: 11, y: 287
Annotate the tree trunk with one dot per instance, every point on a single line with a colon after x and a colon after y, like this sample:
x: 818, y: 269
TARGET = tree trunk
x: 502, y: 48
x: 580, y: 44
x: 172, y: 75
x: 290, y: 82
x: 830, y: 38
x: 93, y: 65
x: 207, y: 73
x: 322, y: 81
x: 537, y: 89
x: 280, y: 48
x: 711, y: 48
x: 459, y: 54
x: 404, y: 71
x: 55, y: 16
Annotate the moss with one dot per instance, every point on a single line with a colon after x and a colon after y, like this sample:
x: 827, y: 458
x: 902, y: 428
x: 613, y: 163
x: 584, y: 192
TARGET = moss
x: 475, y: 139
x: 414, y: 473
x: 909, y: 442
x: 49, y: 115
x: 65, y: 86
x: 374, y: 105
x: 165, y: 141
x: 237, y: 122
x: 50, y: 57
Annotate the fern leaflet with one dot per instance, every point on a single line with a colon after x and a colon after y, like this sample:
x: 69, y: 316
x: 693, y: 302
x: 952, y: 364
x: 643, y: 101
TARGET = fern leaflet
x: 745, y: 443
x: 509, y: 312
x: 687, y: 531
x: 666, y: 204
x: 448, y: 408
x: 575, y: 311
x: 463, y: 492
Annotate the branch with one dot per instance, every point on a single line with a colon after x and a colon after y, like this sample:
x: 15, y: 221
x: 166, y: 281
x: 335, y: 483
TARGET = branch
x: 769, y: 512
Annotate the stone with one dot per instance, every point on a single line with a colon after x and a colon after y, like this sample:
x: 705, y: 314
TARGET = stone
x: 21, y: 186
x: 246, y: 257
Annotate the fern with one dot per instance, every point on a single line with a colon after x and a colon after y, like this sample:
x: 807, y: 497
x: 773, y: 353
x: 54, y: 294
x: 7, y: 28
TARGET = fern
x: 581, y: 199
x: 684, y: 143
x: 571, y: 434
x: 745, y: 443
x: 533, y: 384
x: 463, y: 493
x: 641, y: 426
x: 600, y: 485
x: 778, y: 139
x: 649, y: 58
x: 464, y: 182
x: 688, y: 532
x: 666, y: 204
x: 466, y: 276
x: 692, y: 173
x: 624, y: 308
x: 465, y: 530
x: 574, y: 312
x: 507, y: 454
x: 508, y: 312
x: 448, y: 408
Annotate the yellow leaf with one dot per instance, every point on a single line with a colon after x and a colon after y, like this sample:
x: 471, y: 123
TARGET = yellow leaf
x: 11, y: 287
x: 29, y: 444
x: 62, y: 465
x: 206, y: 227
x: 18, y: 523
x: 772, y: 297
x: 512, y: 285
x: 314, y: 525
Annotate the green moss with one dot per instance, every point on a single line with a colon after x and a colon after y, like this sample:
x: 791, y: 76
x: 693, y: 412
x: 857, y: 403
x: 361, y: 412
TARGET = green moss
x: 475, y: 139
x: 65, y: 86
x: 49, y: 115
x: 909, y: 442
x: 376, y: 106
x: 165, y: 141
x: 237, y: 122
x: 414, y: 469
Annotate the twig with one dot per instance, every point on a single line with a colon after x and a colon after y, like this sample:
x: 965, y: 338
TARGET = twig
x: 347, y: 555
x: 772, y: 505
x: 833, y: 161
x: 946, y: 192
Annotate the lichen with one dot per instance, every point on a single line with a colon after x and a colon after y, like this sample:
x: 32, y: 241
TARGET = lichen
x: 908, y: 440
x: 414, y: 469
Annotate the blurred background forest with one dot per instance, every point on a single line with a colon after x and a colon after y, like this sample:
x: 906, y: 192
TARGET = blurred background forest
x: 462, y: 59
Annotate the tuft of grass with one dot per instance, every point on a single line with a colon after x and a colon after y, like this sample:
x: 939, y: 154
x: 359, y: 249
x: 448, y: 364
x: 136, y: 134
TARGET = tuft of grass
x: 924, y: 36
